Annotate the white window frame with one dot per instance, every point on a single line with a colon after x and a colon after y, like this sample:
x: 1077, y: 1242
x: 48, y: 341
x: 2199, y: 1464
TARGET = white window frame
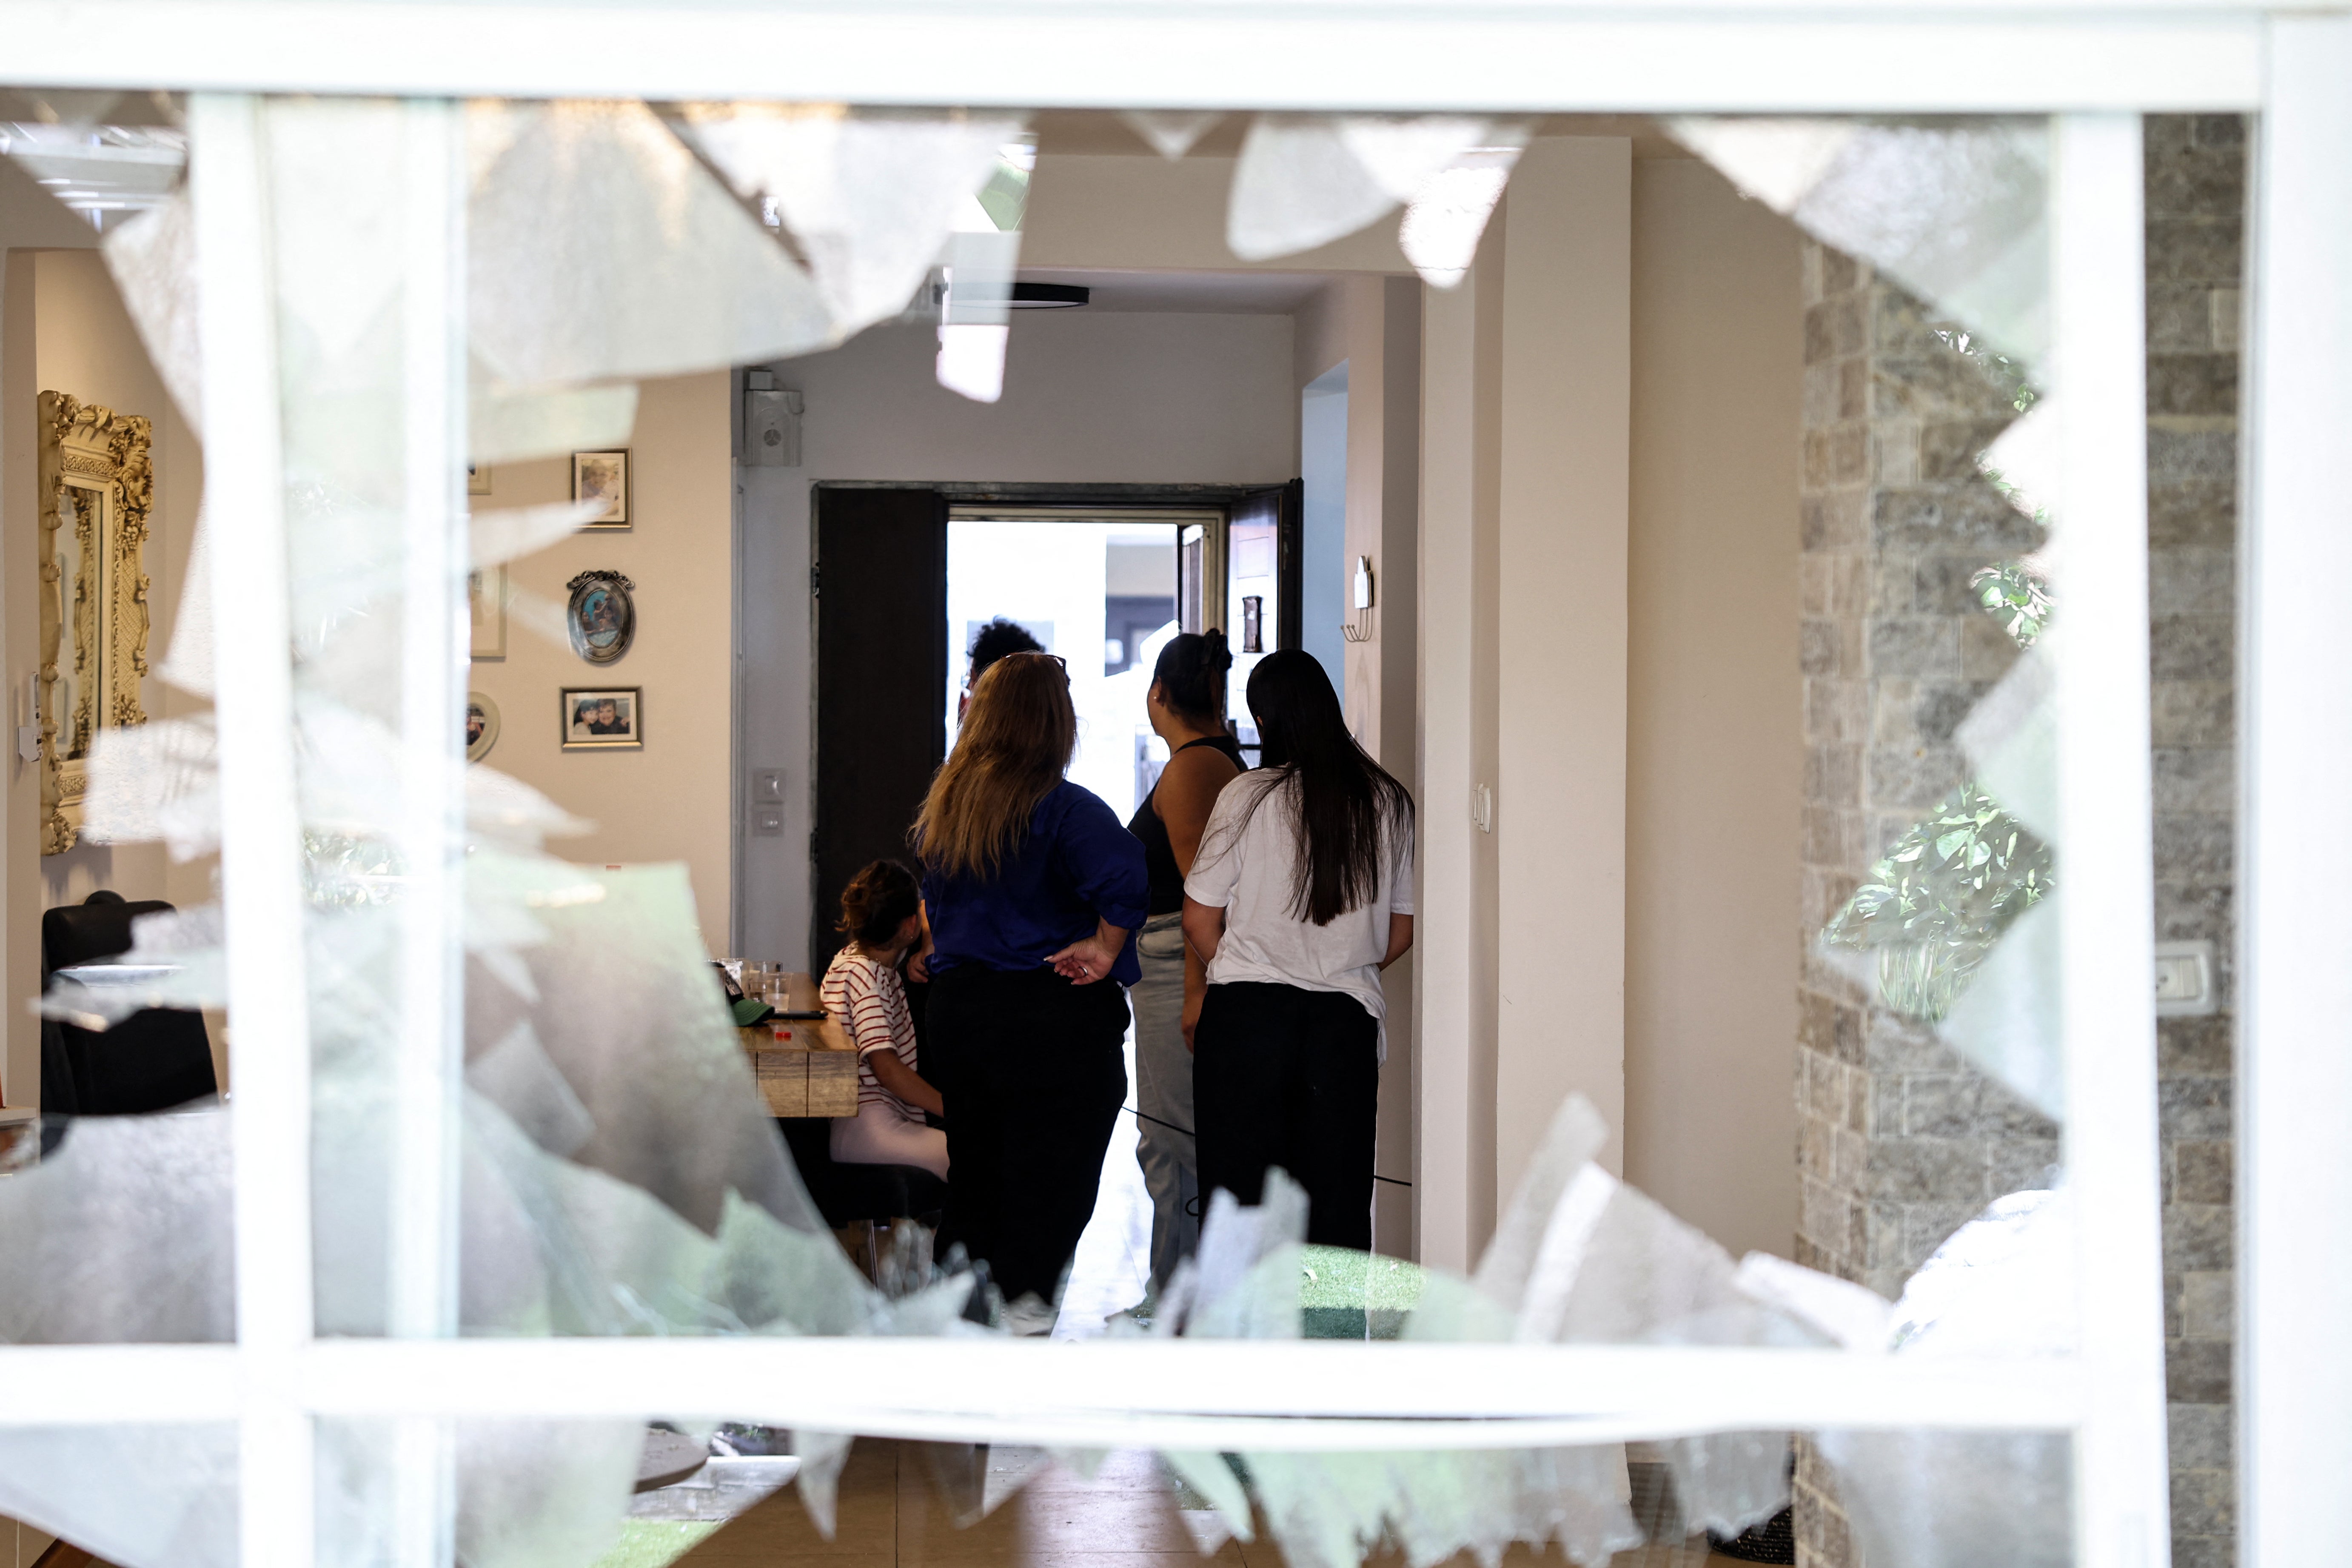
x: 2096, y: 66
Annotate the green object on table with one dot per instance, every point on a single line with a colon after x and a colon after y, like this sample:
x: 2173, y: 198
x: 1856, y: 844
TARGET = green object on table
x: 654, y: 1543
x: 750, y: 1011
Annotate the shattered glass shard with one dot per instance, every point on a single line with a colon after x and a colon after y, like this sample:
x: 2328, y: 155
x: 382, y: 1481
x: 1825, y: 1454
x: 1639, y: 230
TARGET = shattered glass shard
x: 1954, y: 210
x: 869, y: 194
x: 600, y: 249
x: 1173, y: 132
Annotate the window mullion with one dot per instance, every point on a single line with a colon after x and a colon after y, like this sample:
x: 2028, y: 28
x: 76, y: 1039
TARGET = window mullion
x: 2106, y: 899
x: 261, y: 885
x: 2294, y: 1062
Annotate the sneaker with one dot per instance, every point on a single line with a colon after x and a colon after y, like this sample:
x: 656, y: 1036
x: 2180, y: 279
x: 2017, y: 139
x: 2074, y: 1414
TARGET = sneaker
x: 1028, y: 1318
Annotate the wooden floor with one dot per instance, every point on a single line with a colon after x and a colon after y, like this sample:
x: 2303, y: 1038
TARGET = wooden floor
x: 893, y: 1514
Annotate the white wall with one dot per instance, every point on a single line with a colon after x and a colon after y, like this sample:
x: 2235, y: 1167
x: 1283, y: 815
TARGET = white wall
x: 1714, y: 755
x: 1105, y: 398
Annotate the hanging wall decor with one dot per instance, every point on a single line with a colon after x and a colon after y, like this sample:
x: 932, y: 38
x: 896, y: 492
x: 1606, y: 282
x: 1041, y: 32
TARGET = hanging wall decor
x: 602, y: 476
x: 481, y: 725
x: 601, y: 719
x: 602, y: 617
x: 97, y: 484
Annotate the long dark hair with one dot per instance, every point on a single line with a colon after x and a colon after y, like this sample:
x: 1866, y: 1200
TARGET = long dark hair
x: 1351, y: 809
x: 1191, y: 676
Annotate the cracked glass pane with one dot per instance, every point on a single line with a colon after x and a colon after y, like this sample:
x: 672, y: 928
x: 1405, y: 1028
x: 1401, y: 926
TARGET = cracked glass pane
x: 532, y: 1088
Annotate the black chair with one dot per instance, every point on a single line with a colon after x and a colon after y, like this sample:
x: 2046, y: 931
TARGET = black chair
x: 152, y: 1060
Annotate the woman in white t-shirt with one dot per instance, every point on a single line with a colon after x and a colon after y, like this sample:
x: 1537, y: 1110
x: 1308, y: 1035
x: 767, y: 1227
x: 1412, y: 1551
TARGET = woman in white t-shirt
x: 863, y: 992
x: 1302, y: 893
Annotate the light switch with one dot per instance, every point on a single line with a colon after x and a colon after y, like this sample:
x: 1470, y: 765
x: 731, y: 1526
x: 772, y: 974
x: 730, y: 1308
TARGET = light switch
x: 2184, y: 979
x: 768, y: 785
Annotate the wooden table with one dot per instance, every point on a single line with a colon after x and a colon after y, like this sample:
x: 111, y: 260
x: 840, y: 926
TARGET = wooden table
x: 807, y: 1066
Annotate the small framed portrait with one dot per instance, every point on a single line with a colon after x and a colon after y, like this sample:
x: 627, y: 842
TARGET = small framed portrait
x: 603, y: 718
x: 601, y: 616
x: 604, y: 477
x: 481, y: 725
x: 486, y: 611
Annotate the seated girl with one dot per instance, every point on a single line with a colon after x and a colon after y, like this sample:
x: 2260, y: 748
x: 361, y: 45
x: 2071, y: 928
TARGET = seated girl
x: 863, y: 993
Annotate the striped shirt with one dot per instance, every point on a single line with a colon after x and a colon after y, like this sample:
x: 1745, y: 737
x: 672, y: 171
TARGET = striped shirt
x: 867, y: 999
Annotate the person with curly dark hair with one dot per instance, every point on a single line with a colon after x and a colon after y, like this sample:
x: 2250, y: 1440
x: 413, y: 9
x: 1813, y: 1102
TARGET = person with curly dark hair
x: 991, y: 643
x: 880, y: 915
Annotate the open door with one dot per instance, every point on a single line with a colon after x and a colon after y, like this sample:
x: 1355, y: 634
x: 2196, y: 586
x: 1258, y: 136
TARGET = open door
x: 880, y: 588
x: 1265, y: 535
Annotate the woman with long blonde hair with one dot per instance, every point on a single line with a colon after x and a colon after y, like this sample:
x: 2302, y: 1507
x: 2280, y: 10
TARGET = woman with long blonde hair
x: 1032, y: 889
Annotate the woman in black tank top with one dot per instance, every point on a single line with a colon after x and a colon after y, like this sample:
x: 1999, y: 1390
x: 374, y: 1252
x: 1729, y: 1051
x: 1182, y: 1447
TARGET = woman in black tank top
x: 1187, y: 705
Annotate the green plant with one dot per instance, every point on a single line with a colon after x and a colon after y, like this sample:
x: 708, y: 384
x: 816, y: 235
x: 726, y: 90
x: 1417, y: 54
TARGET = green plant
x: 2003, y: 371
x: 2014, y: 592
x: 1933, y: 909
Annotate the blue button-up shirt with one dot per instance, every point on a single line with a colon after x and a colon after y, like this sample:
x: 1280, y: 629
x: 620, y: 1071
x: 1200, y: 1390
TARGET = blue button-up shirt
x: 1077, y: 862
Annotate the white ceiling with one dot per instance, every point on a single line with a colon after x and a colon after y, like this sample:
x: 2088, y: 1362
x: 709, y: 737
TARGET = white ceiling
x: 1253, y: 294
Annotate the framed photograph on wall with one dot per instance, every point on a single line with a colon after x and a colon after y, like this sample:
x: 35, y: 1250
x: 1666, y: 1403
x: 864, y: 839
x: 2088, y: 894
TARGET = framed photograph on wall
x: 486, y: 611
x: 602, y: 718
x: 602, y: 615
x: 481, y: 725
x: 602, y: 476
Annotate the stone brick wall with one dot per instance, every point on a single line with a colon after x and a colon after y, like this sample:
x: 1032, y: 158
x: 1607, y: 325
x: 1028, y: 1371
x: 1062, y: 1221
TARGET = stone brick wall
x: 1899, y: 1143
x: 2196, y: 202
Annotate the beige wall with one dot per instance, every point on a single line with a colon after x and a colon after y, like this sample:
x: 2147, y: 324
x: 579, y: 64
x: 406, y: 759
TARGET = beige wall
x: 1145, y: 212
x: 66, y: 330
x: 1561, y: 791
x: 669, y: 800
x: 1715, y: 739
x: 1456, y: 938
x: 1609, y: 636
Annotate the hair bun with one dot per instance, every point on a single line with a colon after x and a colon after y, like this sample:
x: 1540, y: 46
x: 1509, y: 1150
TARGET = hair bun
x: 1215, y: 655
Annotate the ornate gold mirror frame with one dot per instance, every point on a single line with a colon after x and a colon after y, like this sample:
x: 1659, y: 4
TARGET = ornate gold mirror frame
x: 97, y: 485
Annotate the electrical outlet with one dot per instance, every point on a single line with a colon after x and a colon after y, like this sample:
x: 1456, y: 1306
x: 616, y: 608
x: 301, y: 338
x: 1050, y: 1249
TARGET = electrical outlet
x: 2184, y: 980
x: 768, y: 823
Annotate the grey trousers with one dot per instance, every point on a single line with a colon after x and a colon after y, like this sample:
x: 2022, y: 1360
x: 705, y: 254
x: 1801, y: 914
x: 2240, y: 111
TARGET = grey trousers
x: 1163, y: 1093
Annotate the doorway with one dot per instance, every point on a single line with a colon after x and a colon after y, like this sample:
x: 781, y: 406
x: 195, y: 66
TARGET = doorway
x: 904, y: 577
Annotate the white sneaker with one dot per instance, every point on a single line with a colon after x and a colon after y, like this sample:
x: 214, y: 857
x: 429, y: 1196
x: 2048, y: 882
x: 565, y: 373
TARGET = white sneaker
x: 1028, y: 1318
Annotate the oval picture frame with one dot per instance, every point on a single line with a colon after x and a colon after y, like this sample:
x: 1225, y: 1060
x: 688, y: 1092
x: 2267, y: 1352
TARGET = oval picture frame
x: 601, y: 616
x: 478, y: 740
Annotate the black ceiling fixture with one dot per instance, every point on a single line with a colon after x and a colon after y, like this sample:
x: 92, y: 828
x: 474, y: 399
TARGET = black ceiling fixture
x: 1049, y: 296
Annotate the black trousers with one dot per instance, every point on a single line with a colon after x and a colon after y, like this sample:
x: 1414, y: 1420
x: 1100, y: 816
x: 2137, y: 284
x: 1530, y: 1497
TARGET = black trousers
x: 1288, y: 1077
x: 1031, y: 1070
